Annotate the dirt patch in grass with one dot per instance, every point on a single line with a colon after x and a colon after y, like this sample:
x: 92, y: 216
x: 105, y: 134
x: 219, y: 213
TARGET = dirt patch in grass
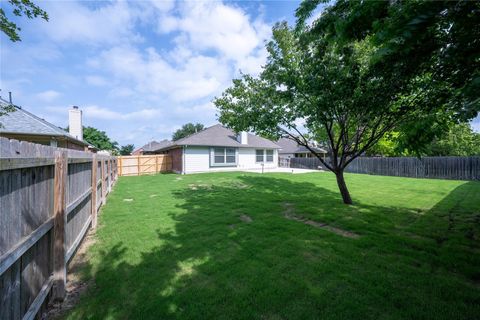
x: 193, y: 186
x: 289, y: 213
x: 76, y: 286
x: 245, y: 218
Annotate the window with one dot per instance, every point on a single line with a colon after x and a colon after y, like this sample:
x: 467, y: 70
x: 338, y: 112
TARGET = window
x: 223, y: 157
x: 230, y: 155
x: 259, y: 155
x: 219, y: 154
x: 269, y: 155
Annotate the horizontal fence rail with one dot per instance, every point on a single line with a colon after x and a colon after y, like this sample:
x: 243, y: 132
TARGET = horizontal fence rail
x: 456, y: 168
x: 144, y: 164
x: 49, y: 198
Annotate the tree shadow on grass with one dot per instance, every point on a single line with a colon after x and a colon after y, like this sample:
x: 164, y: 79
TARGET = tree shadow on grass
x: 216, y: 265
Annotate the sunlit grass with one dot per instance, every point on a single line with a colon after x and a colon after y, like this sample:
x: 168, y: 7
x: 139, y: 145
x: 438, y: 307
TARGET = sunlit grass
x: 182, y: 248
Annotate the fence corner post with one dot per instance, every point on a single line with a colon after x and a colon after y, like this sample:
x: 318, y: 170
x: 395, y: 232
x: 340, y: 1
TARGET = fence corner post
x: 94, y: 191
x: 60, y: 221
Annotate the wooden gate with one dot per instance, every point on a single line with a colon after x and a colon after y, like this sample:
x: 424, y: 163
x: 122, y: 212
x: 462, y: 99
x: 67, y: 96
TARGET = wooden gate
x: 146, y: 164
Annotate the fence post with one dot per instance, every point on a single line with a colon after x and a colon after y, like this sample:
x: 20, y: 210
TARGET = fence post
x: 104, y: 189
x: 156, y: 163
x: 138, y: 165
x: 94, y: 191
x: 109, y: 174
x: 60, y: 220
x: 119, y: 166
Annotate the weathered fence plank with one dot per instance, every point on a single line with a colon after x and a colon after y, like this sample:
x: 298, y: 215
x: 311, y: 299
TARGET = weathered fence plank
x: 59, y: 208
x: 457, y: 168
x: 46, y: 194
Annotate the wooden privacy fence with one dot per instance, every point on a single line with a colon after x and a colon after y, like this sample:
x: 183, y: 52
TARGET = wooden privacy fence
x: 146, y: 164
x: 49, y: 197
x: 458, y: 168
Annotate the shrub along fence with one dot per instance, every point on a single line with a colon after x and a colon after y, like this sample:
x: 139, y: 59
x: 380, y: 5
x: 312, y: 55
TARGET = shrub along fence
x: 457, y: 168
x: 146, y: 164
x: 49, y: 198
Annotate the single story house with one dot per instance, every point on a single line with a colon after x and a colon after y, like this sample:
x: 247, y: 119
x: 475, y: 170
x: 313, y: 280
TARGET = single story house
x: 22, y: 125
x: 220, y: 149
x: 291, y: 149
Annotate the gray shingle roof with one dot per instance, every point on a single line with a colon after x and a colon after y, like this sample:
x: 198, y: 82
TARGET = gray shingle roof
x: 21, y: 121
x: 290, y: 146
x: 219, y: 136
x: 155, y: 145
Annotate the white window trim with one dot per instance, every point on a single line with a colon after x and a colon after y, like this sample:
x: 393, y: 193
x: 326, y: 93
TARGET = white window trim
x: 273, y: 156
x: 224, y: 164
x: 265, y: 156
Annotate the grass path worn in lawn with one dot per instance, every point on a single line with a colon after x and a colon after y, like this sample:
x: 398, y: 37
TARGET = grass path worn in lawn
x: 223, y: 246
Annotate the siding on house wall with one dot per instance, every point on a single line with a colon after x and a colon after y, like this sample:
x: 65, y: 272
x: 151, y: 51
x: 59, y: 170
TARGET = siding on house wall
x: 197, y: 159
x: 45, y: 140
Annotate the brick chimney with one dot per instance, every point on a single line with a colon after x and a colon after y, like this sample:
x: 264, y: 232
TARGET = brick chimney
x: 75, y: 122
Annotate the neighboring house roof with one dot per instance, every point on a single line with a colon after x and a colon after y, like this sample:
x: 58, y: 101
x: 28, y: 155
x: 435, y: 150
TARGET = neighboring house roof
x: 154, y: 145
x: 290, y: 146
x: 21, y: 121
x: 219, y: 136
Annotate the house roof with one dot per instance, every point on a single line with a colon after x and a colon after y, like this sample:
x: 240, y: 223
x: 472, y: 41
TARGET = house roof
x: 155, y: 145
x: 20, y: 121
x: 219, y: 136
x: 290, y: 146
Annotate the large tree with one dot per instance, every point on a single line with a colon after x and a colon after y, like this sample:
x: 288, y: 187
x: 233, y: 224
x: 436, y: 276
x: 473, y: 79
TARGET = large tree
x: 349, y: 88
x: 99, y: 139
x: 19, y: 8
x: 186, y: 130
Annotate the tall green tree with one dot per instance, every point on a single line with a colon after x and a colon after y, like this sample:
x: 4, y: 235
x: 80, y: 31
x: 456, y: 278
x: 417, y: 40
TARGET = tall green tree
x: 99, y: 139
x: 460, y: 140
x: 19, y: 8
x: 186, y: 130
x: 349, y: 89
x: 126, y: 149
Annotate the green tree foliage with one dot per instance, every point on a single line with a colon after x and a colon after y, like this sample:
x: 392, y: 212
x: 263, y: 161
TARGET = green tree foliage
x: 459, y: 140
x: 19, y: 8
x: 126, y: 149
x: 99, y: 139
x: 350, y: 88
x: 186, y: 130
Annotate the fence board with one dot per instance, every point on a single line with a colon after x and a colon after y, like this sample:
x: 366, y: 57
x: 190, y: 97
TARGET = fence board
x: 457, y: 168
x: 145, y: 164
x: 27, y: 194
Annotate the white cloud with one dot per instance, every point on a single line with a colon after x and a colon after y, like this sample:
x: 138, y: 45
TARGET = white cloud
x: 226, y: 29
x: 96, y: 112
x: 150, y: 73
x: 71, y: 21
x: 97, y: 81
x: 48, y: 96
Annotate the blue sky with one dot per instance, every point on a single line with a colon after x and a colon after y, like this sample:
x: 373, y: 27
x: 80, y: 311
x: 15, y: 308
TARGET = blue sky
x: 140, y: 69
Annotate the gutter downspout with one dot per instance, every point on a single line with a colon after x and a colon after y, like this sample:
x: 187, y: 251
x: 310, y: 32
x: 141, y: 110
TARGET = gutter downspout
x: 183, y: 160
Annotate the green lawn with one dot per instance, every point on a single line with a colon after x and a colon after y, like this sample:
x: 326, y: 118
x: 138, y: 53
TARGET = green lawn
x: 184, y: 248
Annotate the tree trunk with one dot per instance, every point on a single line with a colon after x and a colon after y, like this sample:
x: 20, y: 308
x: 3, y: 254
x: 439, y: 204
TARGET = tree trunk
x: 343, y: 187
